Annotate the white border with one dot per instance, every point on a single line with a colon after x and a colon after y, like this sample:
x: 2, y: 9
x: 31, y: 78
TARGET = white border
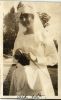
x: 1, y: 52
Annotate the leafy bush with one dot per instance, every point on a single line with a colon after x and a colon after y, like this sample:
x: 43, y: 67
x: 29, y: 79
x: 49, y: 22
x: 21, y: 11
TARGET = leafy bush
x: 10, y: 30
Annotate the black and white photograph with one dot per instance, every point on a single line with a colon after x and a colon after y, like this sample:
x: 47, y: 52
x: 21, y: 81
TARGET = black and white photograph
x: 30, y: 48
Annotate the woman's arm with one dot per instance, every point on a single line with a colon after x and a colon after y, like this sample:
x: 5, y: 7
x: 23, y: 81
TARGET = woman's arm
x: 50, y: 55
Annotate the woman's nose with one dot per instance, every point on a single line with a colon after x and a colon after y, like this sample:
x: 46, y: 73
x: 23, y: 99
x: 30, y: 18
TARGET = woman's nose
x: 29, y: 18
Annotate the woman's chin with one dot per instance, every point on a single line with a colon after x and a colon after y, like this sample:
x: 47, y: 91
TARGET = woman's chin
x: 28, y: 31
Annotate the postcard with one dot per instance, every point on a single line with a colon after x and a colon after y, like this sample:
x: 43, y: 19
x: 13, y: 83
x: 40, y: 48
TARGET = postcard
x: 30, y: 50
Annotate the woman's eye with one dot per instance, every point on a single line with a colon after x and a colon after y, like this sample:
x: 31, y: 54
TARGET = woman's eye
x: 24, y: 19
x: 23, y: 16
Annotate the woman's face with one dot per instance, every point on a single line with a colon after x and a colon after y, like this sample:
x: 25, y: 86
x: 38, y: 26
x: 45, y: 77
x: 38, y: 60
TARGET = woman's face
x: 27, y: 20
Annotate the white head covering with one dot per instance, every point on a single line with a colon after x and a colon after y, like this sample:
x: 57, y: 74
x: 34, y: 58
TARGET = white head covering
x: 25, y: 7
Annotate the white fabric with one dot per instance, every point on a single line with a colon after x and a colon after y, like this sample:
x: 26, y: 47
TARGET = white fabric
x: 24, y: 81
x: 30, y: 80
x: 27, y: 8
x: 39, y: 79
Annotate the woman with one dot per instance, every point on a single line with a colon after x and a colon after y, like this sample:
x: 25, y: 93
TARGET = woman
x: 32, y: 78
